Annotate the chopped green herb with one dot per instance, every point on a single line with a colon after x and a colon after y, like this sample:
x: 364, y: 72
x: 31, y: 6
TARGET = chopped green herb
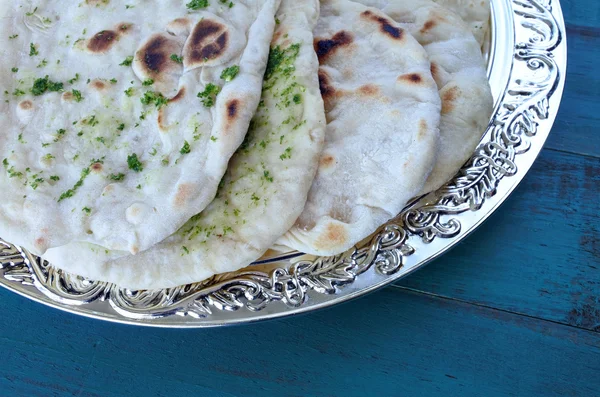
x: 42, y: 64
x: 147, y: 82
x: 18, y: 92
x: 155, y: 98
x: 77, y: 95
x: 92, y: 122
x: 229, y: 73
x: 267, y: 176
x: 213, y: 138
x: 14, y: 70
x: 184, y: 248
x: 297, y: 99
x: 209, y: 94
x: 55, y: 178
x: 69, y: 193
x: 59, y: 134
x: 281, y: 60
x: 32, y: 50
x: 134, y: 163
x: 117, y: 177
x: 127, y: 62
x: 74, y: 79
x: 129, y: 91
x: 121, y: 127
x: 36, y: 182
x: 14, y: 36
x: 87, y: 210
x: 113, y: 81
x: 197, y: 4
x: 176, y: 58
x: 287, y: 154
x: 45, y: 84
x: 11, y: 170
x: 186, y: 148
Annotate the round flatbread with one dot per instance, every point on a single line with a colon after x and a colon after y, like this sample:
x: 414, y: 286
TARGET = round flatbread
x: 119, y: 117
x: 459, y: 71
x: 475, y: 13
x: 383, y: 112
x: 265, y: 186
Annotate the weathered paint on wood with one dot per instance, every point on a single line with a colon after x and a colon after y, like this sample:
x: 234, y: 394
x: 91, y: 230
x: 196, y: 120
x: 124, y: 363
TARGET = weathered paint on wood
x: 581, y: 12
x: 392, y: 342
x: 539, y: 254
x: 576, y: 127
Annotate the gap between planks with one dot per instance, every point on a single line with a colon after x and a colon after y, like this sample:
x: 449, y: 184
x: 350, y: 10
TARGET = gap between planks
x: 570, y: 152
x: 481, y: 305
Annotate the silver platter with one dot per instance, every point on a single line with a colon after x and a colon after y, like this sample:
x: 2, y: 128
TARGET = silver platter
x: 527, y: 59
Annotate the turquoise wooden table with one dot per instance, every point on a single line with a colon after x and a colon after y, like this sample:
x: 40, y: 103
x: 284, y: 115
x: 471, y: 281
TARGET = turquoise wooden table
x: 524, y: 322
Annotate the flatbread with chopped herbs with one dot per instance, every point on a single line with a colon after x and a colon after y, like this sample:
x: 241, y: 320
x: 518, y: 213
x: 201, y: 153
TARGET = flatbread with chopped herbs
x: 119, y: 117
x: 263, y: 191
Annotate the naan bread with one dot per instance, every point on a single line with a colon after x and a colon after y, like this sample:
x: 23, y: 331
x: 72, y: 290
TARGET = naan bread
x: 263, y: 191
x: 475, y: 13
x: 383, y: 112
x: 103, y: 137
x: 459, y: 71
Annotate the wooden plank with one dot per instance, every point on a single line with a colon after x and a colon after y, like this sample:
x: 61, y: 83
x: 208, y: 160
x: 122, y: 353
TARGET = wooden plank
x: 581, y: 12
x: 575, y: 129
x: 539, y: 254
x: 390, y: 343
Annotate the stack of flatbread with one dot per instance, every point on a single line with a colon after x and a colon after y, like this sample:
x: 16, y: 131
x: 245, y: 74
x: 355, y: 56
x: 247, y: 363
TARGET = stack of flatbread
x: 154, y: 145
